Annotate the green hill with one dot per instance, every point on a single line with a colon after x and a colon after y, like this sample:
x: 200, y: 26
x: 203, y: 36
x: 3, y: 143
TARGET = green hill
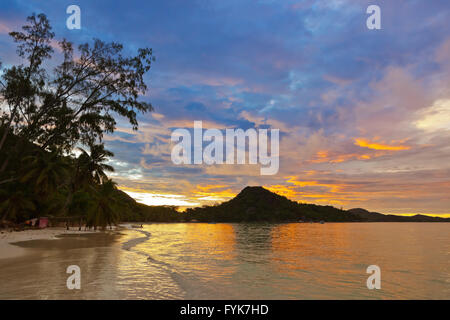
x: 259, y: 204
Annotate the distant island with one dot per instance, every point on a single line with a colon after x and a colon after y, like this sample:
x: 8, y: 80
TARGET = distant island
x: 255, y: 204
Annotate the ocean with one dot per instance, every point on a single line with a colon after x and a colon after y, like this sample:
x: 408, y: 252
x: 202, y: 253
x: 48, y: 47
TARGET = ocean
x: 238, y: 261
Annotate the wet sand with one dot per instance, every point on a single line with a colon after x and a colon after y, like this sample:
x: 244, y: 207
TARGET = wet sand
x: 38, y: 268
x: 8, y: 239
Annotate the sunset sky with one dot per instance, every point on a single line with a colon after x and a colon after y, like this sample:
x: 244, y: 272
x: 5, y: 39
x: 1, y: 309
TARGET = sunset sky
x: 364, y: 115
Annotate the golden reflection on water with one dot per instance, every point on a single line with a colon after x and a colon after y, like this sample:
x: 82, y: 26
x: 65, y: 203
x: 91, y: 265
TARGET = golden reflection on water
x: 414, y: 258
x: 218, y: 240
x: 302, y: 261
x: 239, y: 261
x: 318, y: 255
x: 304, y: 246
x: 191, y: 252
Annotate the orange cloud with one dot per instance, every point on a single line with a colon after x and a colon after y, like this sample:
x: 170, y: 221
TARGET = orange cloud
x: 332, y: 187
x: 291, y: 193
x: 378, y: 146
x: 325, y: 156
x: 283, y: 190
x: 213, y: 192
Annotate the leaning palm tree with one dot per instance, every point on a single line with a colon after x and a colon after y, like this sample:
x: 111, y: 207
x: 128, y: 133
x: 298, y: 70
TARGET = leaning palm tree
x: 104, y: 209
x: 91, y: 165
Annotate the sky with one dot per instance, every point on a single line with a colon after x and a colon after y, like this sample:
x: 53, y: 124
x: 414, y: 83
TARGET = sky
x: 364, y: 115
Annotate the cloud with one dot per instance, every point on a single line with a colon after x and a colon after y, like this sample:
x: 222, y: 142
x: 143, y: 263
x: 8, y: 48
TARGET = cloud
x: 364, y: 143
x: 154, y: 199
x: 363, y: 116
x: 436, y: 117
x: 4, y: 29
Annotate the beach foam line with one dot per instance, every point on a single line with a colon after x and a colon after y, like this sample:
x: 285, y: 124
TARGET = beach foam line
x: 163, y: 266
x: 134, y: 242
x: 130, y: 244
x: 193, y: 287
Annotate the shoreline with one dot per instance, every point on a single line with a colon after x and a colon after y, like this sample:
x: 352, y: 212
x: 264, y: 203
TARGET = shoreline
x: 8, y: 238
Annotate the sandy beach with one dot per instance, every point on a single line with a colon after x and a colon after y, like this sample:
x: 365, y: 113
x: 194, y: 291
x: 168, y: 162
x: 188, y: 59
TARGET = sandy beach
x: 34, y: 263
x: 8, y: 238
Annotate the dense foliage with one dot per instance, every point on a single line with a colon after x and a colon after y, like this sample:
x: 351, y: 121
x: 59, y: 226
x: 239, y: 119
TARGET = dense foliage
x: 46, y: 116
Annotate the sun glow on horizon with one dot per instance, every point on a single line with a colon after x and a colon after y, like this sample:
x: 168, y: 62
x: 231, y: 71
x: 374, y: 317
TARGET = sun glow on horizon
x: 159, y: 199
x: 183, y: 201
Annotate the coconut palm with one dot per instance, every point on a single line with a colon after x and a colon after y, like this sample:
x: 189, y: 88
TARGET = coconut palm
x: 14, y: 204
x: 46, y: 172
x: 89, y: 171
x: 104, y: 210
x: 91, y: 165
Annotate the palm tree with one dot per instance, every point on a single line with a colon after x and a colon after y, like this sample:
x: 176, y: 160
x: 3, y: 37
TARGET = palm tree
x: 91, y: 165
x: 79, y: 205
x: 14, y: 203
x: 104, y: 211
x: 89, y: 172
x: 46, y: 171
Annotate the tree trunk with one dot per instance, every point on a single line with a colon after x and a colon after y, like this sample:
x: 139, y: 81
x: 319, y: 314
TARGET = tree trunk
x: 5, y: 215
x: 66, y: 204
x: 5, y: 163
x: 5, y: 134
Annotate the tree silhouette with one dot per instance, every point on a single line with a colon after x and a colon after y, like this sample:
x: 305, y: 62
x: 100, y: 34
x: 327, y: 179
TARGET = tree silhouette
x: 77, y: 102
x: 45, y: 171
x: 92, y: 166
x: 14, y: 203
x: 46, y: 112
x: 104, y: 212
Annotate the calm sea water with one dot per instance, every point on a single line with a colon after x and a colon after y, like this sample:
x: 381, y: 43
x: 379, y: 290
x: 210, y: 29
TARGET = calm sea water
x: 239, y: 261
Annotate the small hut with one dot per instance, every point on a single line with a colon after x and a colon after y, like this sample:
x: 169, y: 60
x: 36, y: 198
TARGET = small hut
x: 43, y: 222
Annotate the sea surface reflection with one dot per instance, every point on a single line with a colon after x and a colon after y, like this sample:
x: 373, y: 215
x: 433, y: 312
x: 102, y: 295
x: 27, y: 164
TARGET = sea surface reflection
x: 240, y: 261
